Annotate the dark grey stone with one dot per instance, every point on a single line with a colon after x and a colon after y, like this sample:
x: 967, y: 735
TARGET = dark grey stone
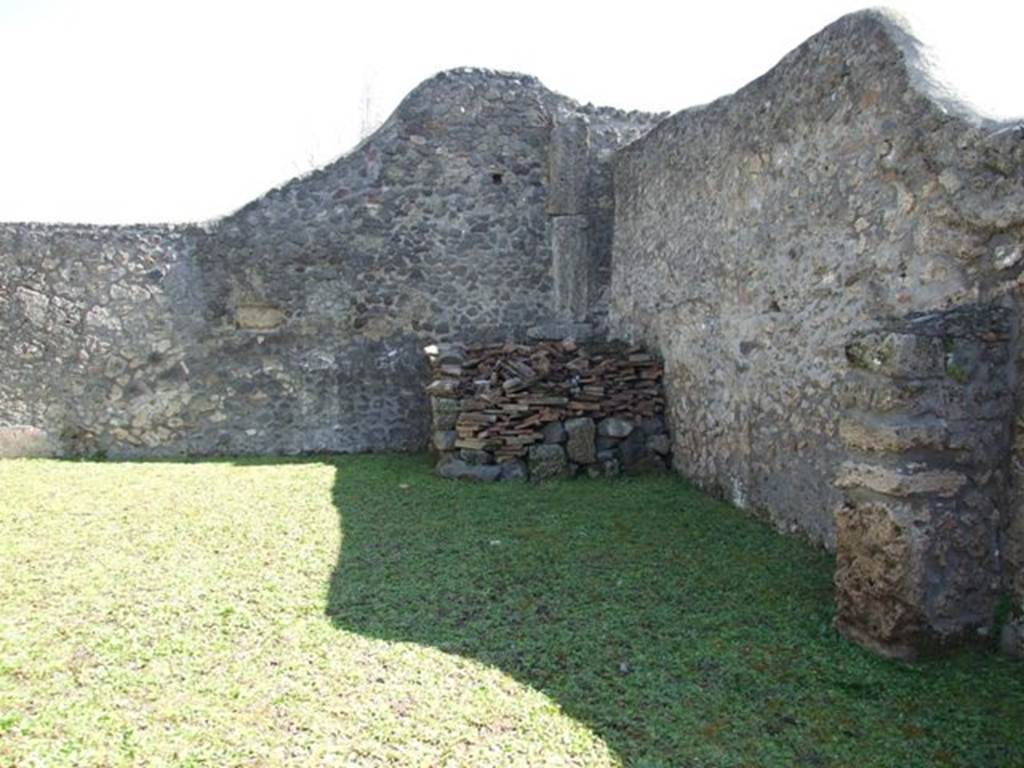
x: 456, y: 469
x: 633, y: 449
x: 554, y: 432
x: 444, y: 440
x: 547, y: 461
x: 653, y: 425
x: 298, y: 323
x: 514, y: 470
x: 609, y: 463
x: 659, y: 444
x: 473, y: 456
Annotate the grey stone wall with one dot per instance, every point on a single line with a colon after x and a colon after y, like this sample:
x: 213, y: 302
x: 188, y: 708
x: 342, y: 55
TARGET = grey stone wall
x: 756, y: 235
x: 96, y: 323
x: 296, y: 323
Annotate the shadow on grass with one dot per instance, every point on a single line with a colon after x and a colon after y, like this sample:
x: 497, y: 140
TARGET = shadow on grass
x: 678, y: 630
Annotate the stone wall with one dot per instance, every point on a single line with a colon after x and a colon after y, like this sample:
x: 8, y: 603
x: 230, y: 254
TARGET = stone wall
x: 757, y: 235
x: 98, y: 326
x: 828, y: 262
x: 297, y: 323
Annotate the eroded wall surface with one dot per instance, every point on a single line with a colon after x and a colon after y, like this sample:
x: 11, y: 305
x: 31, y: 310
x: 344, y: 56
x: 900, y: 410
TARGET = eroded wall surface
x: 297, y: 323
x: 755, y: 236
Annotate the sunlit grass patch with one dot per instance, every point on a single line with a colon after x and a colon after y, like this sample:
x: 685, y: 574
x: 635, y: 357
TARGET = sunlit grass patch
x: 359, y: 611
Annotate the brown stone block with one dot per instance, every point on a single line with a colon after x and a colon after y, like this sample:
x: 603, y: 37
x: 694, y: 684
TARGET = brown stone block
x: 893, y: 435
x: 877, y: 594
x: 893, y: 482
x: 25, y: 443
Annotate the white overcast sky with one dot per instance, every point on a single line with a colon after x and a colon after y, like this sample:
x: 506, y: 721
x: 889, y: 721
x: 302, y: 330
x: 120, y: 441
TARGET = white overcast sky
x: 118, y: 111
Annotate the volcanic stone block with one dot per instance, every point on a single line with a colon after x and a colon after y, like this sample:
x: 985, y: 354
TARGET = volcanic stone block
x: 938, y: 482
x: 898, y: 354
x: 580, y: 445
x: 457, y: 469
x: 547, y: 461
x: 571, y: 266
x: 614, y: 427
x: 444, y: 440
x: 554, y: 432
x: 514, y: 470
x: 659, y: 444
x: 568, y: 167
x: 476, y: 456
x: 258, y: 317
x: 893, y: 434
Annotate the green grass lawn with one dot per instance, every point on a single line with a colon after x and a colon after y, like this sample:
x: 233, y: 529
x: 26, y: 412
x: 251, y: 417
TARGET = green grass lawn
x: 359, y: 611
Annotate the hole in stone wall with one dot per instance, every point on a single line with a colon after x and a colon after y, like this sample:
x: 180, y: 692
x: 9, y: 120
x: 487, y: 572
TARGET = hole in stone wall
x: 497, y: 178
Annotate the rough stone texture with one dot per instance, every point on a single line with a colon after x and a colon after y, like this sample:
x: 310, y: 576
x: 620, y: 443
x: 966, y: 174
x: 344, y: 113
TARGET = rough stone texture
x: 444, y: 440
x: 296, y: 323
x: 755, y: 235
x: 457, y: 469
x: 879, y: 596
x: 473, y: 456
x: 894, y: 482
x: 24, y: 442
x: 659, y: 444
x: 547, y: 461
x: 556, y: 331
x: 609, y: 463
x: 445, y: 411
x: 580, y: 445
x: 613, y: 427
x: 930, y: 478
x: 554, y: 432
x: 514, y: 470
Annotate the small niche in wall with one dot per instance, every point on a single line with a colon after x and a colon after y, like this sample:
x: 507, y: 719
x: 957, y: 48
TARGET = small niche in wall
x: 497, y: 177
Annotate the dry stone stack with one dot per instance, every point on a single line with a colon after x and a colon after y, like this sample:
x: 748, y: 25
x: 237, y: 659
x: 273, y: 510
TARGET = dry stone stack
x: 508, y: 411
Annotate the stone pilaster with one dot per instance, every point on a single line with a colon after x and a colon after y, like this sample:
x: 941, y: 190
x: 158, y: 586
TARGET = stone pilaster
x: 572, y: 267
x: 927, y: 427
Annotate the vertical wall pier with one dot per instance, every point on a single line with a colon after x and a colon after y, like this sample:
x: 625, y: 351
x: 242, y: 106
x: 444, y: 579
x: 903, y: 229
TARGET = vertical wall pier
x: 568, y: 178
x: 927, y: 423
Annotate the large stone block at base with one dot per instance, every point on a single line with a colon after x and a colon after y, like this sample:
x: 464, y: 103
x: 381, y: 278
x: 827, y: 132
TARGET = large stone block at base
x: 581, y: 433
x: 877, y: 595
x: 25, y: 443
x: 547, y: 461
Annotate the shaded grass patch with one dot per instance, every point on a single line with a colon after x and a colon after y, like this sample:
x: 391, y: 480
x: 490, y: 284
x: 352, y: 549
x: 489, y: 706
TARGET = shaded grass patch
x: 359, y: 611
